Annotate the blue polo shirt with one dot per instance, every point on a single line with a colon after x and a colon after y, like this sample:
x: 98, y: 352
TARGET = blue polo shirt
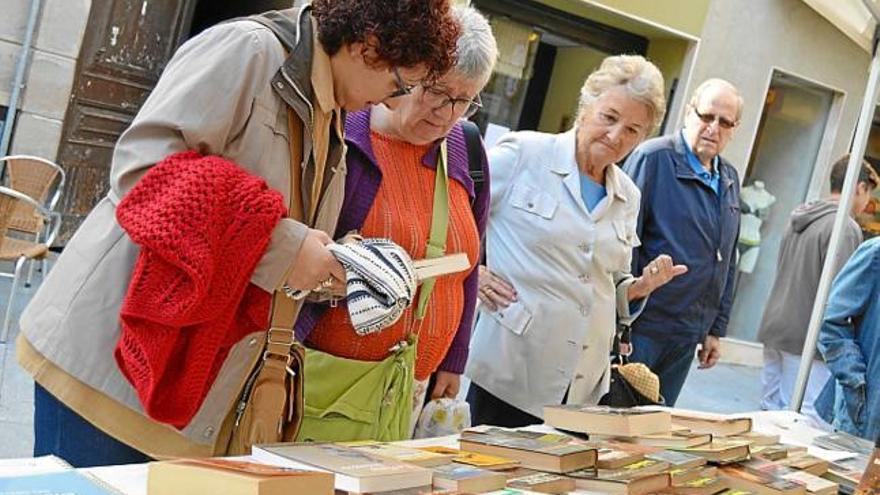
x: 591, y: 192
x: 710, y: 179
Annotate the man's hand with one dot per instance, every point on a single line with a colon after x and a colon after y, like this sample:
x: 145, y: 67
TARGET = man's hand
x: 709, y: 353
x: 655, y: 275
x: 446, y: 385
x: 495, y: 292
x: 315, y: 263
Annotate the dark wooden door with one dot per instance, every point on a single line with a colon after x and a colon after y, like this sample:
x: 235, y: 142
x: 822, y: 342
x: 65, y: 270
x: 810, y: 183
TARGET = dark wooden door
x: 126, y: 46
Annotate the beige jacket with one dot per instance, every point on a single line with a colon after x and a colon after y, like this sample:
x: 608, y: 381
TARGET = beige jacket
x: 216, y: 95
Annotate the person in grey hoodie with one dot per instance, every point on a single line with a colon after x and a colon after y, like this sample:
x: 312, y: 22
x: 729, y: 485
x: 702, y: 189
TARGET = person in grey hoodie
x: 799, y: 266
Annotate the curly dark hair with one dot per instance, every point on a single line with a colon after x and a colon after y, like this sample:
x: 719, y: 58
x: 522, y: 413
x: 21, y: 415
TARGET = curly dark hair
x: 407, y: 32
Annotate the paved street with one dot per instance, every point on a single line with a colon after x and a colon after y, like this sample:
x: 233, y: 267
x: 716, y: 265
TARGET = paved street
x: 725, y: 388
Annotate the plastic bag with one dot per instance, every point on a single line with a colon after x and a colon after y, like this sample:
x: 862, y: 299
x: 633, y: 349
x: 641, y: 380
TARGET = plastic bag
x: 441, y: 417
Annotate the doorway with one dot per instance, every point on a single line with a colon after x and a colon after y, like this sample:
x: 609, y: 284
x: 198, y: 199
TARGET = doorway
x: 125, y: 48
x: 793, y: 137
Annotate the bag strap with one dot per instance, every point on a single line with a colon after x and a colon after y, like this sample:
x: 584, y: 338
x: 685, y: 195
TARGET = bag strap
x: 622, y: 336
x: 280, y: 337
x: 472, y: 141
x: 439, y: 227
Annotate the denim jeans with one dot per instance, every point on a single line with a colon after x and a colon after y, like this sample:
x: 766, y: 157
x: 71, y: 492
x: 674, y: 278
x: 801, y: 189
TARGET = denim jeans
x: 670, y: 360
x: 61, y: 432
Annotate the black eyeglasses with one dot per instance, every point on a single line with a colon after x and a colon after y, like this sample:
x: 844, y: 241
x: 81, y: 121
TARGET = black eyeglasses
x: 708, y: 118
x: 402, y: 87
x: 471, y: 105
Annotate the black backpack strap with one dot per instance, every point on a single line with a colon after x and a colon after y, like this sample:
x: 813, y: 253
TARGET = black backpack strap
x: 472, y: 140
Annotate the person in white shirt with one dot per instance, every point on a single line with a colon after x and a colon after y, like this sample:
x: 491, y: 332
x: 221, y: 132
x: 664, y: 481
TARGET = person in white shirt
x: 559, y: 243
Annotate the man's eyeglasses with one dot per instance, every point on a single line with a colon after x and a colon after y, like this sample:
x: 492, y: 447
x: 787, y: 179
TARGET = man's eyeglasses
x: 443, y: 99
x: 402, y: 87
x: 709, y: 118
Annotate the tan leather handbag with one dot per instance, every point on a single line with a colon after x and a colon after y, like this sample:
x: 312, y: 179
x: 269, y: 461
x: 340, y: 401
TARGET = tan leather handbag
x: 271, y: 404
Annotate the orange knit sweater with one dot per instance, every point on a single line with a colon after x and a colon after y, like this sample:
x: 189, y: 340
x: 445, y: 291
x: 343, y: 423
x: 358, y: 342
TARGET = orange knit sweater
x: 402, y: 213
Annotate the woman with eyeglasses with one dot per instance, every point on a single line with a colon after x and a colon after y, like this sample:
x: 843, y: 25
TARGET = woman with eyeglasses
x: 143, y: 336
x: 393, y: 154
x: 561, y: 231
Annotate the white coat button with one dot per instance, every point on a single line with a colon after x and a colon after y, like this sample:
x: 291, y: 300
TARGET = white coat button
x: 585, y: 311
x: 584, y: 247
x: 252, y: 342
x: 584, y: 278
x: 209, y: 431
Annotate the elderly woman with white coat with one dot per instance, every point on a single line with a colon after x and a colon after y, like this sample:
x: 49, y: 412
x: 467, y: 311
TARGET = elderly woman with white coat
x: 562, y: 226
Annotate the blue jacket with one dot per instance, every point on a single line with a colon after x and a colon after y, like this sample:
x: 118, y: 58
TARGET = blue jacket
x: 683, y: 217
x: 850, y: 343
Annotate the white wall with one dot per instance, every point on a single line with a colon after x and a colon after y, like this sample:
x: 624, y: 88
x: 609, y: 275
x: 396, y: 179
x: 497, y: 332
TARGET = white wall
x: 50, y: 73
x: 742, y: 40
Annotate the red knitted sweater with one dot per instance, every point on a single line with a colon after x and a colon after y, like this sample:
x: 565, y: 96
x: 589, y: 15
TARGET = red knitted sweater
x: 202, y: 224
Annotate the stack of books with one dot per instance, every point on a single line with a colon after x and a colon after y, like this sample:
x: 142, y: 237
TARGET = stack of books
x: 703, y: 453
x: 354, y: 470
x: 635, y: 451
x: 550, y: 453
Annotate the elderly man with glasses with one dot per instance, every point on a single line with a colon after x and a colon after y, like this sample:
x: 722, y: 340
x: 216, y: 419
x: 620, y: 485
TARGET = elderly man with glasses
x: 689, y: 210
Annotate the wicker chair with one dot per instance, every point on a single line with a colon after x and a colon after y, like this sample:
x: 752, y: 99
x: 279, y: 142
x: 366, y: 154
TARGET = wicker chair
x: 20, y: 250
x: 43, y: 181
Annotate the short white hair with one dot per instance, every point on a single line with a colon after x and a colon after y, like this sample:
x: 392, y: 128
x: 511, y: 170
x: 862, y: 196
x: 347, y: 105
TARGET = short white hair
x: 640, y: 79
x: 720, y: 83
x: 476, y: 50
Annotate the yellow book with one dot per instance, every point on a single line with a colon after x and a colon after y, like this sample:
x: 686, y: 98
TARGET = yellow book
x: 475, y: 459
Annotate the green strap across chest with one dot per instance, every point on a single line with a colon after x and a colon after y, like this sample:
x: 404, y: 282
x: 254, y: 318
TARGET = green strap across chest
x: 439, y: 227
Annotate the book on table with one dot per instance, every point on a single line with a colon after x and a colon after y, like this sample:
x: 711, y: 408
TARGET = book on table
x: 670, y: 440
x: 233, y: 477
x: 467, y: 479
x: 621, y: 481
x: 812, y: 483
x: 605, y: 420
x: 534, y: 481
x: 355, y: 471
x: 677, y: 459
x: 756, y: 438
x: 543, y: 436
x: 704, y: 485
x: 720, y: 451
x: 721, y: 425
x: 806, y: 462
x: 483, y: 461
x: 683, y: 475
x: 613, y: 455
x: 759, y: 482
x: 532, y: 452
x: 775, y: 452
x: 411, y: 455
x: 66, y: 482
x: 844, y: 475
